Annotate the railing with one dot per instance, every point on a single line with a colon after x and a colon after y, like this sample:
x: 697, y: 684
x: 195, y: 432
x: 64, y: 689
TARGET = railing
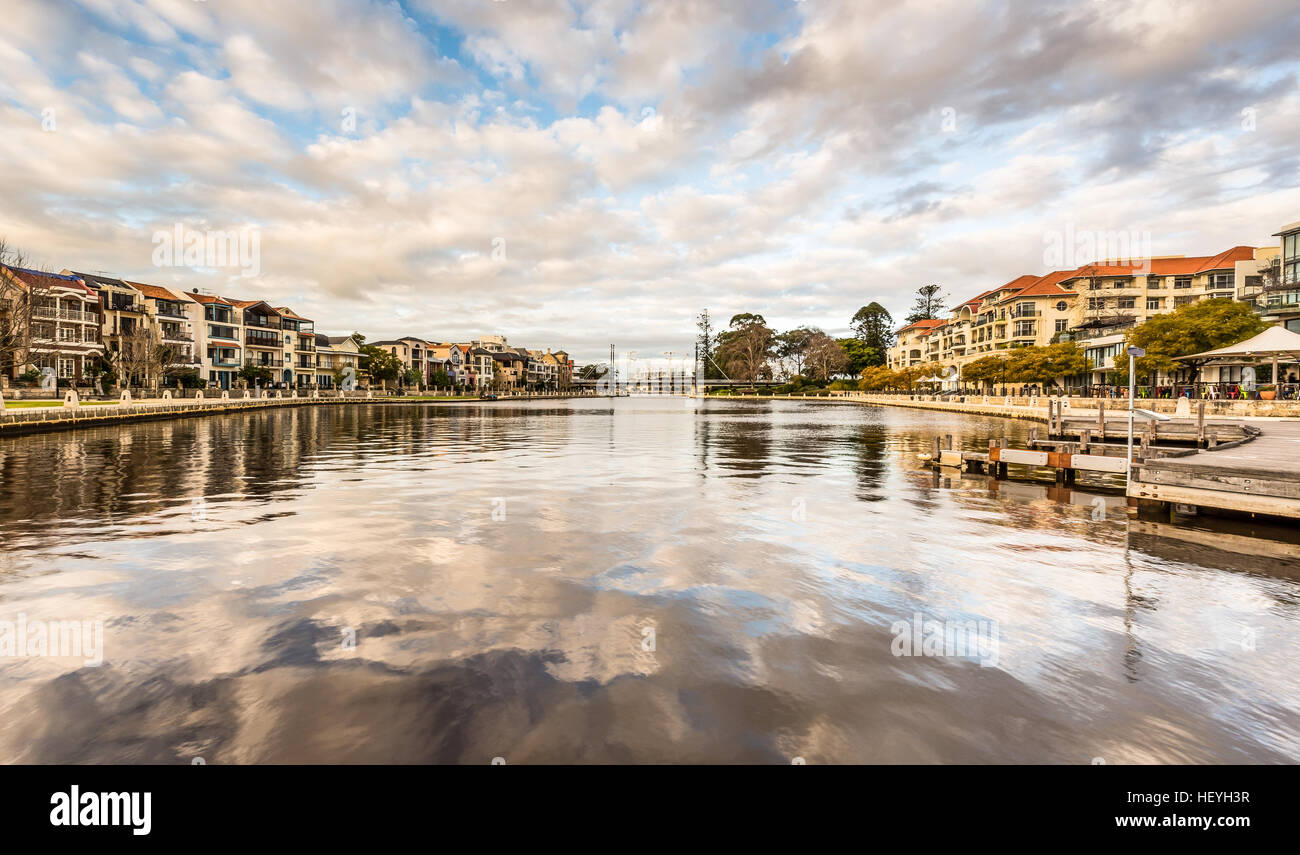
x: 262, y: 341
x: 177, y: 336
x: 265, y: 363
x: 263, y: 322
x: 169, y: 312
x: 126, y: 307
x: 51, y: 313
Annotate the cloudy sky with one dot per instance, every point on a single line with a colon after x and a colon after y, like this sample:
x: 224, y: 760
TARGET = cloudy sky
x: 578, y: 173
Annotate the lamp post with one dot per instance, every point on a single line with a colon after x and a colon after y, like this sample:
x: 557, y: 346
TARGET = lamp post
x: 1133, y: 354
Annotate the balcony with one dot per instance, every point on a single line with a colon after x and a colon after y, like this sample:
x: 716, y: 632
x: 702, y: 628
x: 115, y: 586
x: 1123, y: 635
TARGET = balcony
x: 124, y: 306
x: 176, y: 335
x: 55, y: 313
x: 269, y: 341
x: 167, y: 310
x: 265, y: 363
x: 263, y: 321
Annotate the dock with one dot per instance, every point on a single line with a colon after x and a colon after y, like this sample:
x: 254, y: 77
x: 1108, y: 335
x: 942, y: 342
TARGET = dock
x: 1261, y: 476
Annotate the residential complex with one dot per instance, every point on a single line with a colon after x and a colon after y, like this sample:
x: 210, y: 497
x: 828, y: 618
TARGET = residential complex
x: 81, y: 324
x: 1097, y: 305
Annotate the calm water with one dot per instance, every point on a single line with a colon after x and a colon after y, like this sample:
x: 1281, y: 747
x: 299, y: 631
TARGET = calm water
x: 645, y: 580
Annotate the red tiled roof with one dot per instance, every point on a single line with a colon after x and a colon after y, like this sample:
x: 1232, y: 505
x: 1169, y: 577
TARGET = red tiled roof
x: 927, y: 324
x: 154, y: 291
x: 206, y: 299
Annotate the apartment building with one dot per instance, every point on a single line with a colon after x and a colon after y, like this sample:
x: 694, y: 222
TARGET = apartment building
x: 299, y: 336
x: 336, y: 355
x: 48, y: 320
x: 122, y: 305
x: 454, y: 359
x: 173, y: 319
x: 1271, y: 284
x: 1095, y: 305
x: 912, y: 343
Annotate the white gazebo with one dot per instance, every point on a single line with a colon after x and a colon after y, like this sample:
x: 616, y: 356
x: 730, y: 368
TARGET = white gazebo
x: 1275, y: 342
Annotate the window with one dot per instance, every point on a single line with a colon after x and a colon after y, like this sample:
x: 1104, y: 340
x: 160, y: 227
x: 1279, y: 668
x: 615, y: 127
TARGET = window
x: 1024, y: 328
x: 67, y: 367
x: 1153, y: 303
x: 1095, y: 303
x: 1119, y: 283
x: 1183, y: 301
x: 1062, y: 306
x: 1126, y: 302
x: 1154, y: 282
x: 1221, y: 282
x: 1182, y: 281
x: 1062, y: 324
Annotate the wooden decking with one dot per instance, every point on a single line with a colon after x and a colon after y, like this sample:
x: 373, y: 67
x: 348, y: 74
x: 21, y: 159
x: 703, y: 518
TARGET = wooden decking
x: 1261, y: 476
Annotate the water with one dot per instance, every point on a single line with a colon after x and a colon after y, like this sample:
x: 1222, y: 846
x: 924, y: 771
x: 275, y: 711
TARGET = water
x: 645, y: 580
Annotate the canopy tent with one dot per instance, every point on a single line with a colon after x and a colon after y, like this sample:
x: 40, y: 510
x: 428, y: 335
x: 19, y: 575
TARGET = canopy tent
x: 931, y: 379
x: 1274, y: 341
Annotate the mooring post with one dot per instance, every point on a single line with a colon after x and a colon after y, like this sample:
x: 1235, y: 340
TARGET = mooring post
x: 1101, y: 419
x: 938, y: 449
x: 1084, y: 435
x: 1200, y: 423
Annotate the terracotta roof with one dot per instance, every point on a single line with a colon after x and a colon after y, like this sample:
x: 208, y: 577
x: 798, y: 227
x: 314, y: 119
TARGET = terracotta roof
x: 1044, y: 286
x: 925, y: 324
x: 155, y: 292
x: 208, y: 299
x: 1181, y: 266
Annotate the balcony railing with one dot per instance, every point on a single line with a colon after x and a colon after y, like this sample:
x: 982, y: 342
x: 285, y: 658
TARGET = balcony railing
x: 262, y: 341
x: 176, y: 336
x: 262, y: 321
x: 52, y: 313
x: 265, y: 363
x: 116, y: 306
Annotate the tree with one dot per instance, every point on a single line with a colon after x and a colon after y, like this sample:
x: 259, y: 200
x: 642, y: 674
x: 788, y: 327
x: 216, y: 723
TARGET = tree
x: 746, y: 347
x: 18, y: 301
x: 1046, y: 364
x: 381, y: 364
x: 441, y: 378
x: 824, y: 356
x: 707, y: 341
x: 929, y: 304
x: 791, y: 347
x: 861, y: 355
x: 594, y: 371
x: 987, y: 370
x: 255, y: 375
x: 874, y: 327
x: 1194, y: 328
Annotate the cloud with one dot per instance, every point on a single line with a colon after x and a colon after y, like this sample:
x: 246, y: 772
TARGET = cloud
x: 637, y: 160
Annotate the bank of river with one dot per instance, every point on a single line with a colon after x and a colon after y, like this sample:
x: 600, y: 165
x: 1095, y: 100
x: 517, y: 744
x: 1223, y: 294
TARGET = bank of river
x: 653, y: 580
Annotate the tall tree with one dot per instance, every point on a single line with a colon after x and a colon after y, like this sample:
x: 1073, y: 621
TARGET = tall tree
x: 707, y: 341
x: 1194, y: 328
x: 929, y: 304
x: 861, y: 355
x: 874, y: 327
x: 18, y: 300
x: 791, y: 348
x: 745, y: 348
x: 824, y: 356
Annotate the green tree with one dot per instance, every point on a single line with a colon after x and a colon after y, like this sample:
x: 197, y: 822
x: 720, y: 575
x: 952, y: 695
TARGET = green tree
x: 255, y: 375
x: 745, y: 348
x: 440, y: 378
x: 380, y: 364
x: 791, y: 347
x: 1194, y: 328
x: 929, y: 304
x: 874, y: 327
x: 861, y: 355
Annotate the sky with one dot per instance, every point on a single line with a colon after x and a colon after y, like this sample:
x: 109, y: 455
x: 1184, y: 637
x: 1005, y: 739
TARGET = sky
x: 575, y: 174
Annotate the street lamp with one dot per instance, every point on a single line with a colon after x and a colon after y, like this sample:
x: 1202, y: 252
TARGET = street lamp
x: 1133, y: 354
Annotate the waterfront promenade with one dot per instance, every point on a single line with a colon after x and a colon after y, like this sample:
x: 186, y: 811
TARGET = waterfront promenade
x: 16, y: 419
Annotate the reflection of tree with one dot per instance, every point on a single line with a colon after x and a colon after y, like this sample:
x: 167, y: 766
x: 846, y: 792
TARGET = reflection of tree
x: 737, y: 442
x: 870, y: 464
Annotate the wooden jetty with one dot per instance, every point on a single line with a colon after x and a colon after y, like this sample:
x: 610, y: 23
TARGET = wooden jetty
x: 1261, y: 476
x: 1257, y: 473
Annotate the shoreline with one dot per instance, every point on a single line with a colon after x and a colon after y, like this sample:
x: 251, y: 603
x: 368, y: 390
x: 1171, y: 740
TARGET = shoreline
x: 26, y: 421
